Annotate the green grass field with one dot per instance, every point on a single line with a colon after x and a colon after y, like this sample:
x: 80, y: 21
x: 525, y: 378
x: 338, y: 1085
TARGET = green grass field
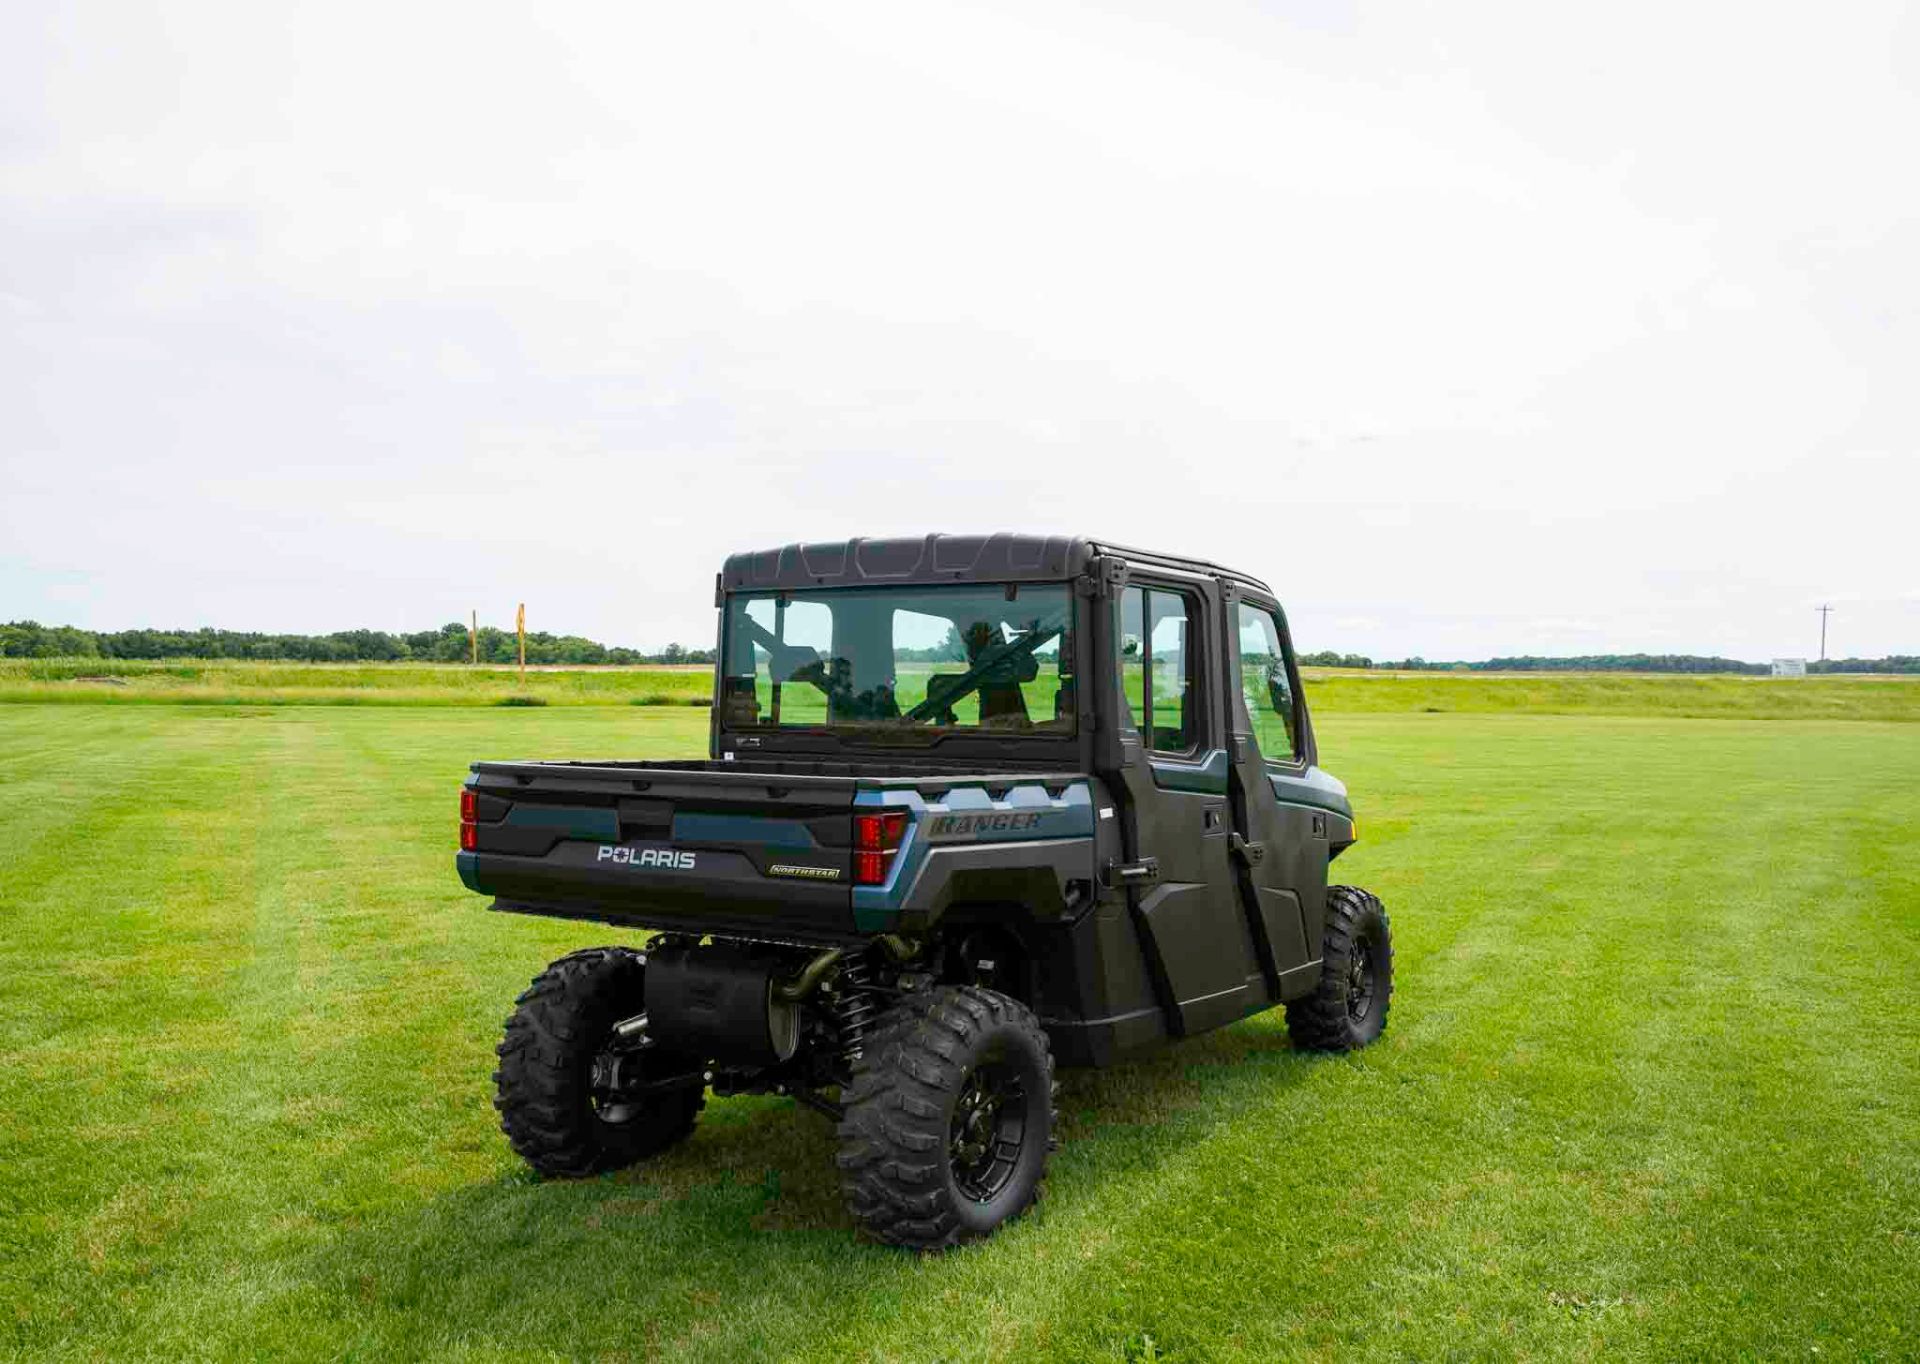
x: 1651, y: 1088
x: 227, y: 682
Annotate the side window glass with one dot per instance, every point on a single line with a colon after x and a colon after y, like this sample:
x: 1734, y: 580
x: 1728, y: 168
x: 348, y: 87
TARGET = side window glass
x: 1156, y: 667
x: 1132, y: 635
x: 1170, y: 720
x: 1267, y: 685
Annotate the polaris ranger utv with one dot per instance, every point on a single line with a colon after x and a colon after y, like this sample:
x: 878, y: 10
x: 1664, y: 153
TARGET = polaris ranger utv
x: 973, y: 804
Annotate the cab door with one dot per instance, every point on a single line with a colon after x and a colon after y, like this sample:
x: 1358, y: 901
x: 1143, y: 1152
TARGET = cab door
x: 1279, y: 846
x: 1171, y: 777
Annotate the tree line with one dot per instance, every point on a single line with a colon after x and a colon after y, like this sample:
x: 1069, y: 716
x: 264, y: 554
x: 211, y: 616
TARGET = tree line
x: 448, y: 644
x: 1612, y: 663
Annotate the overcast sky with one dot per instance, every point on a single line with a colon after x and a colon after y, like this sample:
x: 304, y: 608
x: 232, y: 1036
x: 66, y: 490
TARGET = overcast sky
x: 1475, y: 329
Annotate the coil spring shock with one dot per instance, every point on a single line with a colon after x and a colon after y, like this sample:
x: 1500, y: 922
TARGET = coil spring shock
x: 855, y: 1009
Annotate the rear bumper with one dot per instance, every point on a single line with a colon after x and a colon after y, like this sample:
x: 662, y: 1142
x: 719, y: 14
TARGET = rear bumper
x: 716, y: 919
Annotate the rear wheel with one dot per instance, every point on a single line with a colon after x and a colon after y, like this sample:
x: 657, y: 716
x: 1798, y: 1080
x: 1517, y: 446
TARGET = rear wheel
x: 949, y: 1119
x: 573, y: 1096
x: 1348, y: 1009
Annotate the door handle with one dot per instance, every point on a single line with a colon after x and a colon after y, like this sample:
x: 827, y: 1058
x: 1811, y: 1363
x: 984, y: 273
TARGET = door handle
x: 1133, y: 873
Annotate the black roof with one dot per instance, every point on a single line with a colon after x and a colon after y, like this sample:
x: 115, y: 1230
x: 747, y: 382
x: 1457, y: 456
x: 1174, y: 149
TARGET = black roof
x: 1000, y: 558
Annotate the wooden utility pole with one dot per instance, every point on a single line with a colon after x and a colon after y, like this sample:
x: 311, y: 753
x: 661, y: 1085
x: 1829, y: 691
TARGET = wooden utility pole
x: 1824, y: 611
x: 520, y: 626
x: 473, y: 637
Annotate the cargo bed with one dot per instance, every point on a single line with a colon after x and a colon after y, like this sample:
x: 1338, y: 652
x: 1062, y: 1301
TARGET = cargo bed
x: 753, y: 847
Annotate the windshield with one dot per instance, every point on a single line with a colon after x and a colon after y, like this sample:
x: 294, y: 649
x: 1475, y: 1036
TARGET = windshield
x: 901, y: 660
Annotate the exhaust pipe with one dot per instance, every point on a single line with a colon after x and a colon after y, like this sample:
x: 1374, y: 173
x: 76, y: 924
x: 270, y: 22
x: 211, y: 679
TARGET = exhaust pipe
x: 810, y: 976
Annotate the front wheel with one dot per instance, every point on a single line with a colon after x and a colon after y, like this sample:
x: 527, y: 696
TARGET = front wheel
x: 1348, y: 1008
x: 949, y: 1119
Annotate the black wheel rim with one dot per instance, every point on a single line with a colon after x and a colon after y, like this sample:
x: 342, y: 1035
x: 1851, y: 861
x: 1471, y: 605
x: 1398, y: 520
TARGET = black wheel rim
x: 1360, y: 980
x: 614, y: 1068
x: 988, y: 1130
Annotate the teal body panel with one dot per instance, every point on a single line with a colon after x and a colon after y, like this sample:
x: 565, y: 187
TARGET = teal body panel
x: 970, y: 818
x: 784, y: 835
x: 1206, y: 777
x: 1316, y: 787
x: 569, y: 821
x: 1312, y: 786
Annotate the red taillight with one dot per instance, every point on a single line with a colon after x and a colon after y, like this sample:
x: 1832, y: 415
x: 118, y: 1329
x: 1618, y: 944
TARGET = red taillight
x: 876, y: 838
x: 469, y: 812
x: 469, y: 837
x: 879, y: 833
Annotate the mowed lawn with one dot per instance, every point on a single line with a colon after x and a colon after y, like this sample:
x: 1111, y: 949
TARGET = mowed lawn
x: 1651, y: 1087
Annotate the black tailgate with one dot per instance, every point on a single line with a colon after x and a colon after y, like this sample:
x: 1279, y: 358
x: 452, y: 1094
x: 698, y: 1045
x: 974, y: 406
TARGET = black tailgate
x: 655, y: 844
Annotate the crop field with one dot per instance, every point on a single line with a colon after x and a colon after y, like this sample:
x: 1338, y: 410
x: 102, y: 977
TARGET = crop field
x: 1651, y: 1087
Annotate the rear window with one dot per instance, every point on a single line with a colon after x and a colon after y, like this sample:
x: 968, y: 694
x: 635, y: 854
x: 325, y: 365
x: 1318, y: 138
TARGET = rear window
x: 980, y: 657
